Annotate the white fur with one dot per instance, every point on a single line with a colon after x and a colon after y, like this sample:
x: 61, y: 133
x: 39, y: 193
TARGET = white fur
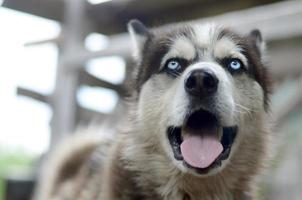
x: 182, y: 47
x: 225, y: 48
x: 205, y: 34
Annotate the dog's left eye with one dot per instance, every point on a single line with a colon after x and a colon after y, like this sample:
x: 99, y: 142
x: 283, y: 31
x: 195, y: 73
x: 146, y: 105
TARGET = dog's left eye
x: 235, y: 65
x: 174, y: 66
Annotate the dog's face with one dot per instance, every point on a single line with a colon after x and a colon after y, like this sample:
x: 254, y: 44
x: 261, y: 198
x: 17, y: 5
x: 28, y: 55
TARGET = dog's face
x: 197, y: 86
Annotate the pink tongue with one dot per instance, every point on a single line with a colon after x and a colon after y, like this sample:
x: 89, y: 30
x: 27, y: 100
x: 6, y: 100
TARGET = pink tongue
x: 200, y: 151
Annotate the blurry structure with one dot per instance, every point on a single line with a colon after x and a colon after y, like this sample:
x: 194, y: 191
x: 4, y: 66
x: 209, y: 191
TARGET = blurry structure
x: 279, y: 21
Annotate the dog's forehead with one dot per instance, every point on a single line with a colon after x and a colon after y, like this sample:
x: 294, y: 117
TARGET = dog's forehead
x: 205, y: 42
x: 205, y: 35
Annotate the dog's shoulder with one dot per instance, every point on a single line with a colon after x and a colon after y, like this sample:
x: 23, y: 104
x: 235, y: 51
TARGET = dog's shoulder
x: 69, y: 163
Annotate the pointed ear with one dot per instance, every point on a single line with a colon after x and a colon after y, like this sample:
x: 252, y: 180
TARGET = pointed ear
x: 255, y: 38
x: 139, y: 35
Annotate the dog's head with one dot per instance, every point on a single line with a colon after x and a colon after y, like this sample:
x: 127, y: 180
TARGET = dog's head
x: 197, y: 85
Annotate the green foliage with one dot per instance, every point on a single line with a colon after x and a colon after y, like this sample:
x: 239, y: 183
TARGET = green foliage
x: 13, y: 162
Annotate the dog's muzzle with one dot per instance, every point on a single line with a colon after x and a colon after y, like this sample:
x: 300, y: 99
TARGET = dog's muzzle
x: 201, y: 143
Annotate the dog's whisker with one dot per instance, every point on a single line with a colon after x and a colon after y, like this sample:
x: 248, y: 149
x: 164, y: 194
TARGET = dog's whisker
x: 243, y: 108
x: 242, y: 111
x: 239, y: 111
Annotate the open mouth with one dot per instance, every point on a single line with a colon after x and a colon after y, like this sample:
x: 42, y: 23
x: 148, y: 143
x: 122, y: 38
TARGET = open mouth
x: 202, y: 143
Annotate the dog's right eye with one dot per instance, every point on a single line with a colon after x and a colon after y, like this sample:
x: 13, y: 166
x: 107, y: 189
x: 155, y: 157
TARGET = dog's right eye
x: 174, y: 66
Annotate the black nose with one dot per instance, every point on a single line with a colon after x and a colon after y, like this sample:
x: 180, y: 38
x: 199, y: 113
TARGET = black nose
x: 201, y: 82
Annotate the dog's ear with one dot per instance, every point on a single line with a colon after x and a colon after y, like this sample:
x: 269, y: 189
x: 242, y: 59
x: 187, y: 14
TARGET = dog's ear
x: 256, y: 40
x: 139, y: 34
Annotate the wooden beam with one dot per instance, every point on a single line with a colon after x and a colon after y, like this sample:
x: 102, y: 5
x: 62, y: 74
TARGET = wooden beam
x: 115, y: 15
x: 33, y: 94
x: 55, y: 40
x: 50, y: 9
x: 119, y: 45
x: 111, y: 17
x: 276, y: 21
x: 67, y: 79
x: 91, y: 80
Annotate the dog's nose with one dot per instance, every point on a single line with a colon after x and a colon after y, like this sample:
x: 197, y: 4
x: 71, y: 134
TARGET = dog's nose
x: 201, y: 82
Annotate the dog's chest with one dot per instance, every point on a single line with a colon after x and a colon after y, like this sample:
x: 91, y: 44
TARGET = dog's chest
x: 199, y: 196
x: 174, y: 191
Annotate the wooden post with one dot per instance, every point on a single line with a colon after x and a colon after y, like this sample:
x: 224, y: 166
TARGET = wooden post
x: 74, y: 29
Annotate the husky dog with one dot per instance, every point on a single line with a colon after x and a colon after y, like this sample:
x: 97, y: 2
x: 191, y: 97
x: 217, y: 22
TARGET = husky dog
x: 199, y: 125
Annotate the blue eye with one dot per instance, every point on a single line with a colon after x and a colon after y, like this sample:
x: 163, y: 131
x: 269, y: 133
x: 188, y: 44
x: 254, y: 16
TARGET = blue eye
x: 173, y: 65
x: 235, y: 64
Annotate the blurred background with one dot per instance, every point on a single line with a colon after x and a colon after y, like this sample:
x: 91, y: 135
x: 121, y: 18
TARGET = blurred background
x: 64, y: 64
